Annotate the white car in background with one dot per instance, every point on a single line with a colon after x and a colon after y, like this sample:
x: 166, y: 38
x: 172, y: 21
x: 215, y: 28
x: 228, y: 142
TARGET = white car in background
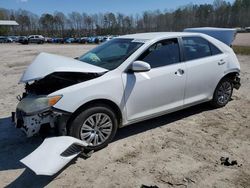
x: 128, y: 79
x: 38, y: 39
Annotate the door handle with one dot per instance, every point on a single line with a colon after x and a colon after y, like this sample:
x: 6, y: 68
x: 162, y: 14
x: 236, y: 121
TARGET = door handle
x: 221, y: 62
x: 180, y: 72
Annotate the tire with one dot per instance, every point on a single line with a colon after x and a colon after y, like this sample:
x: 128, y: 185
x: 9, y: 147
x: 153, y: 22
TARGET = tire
x: 222, y: 93
x: 81, y: 128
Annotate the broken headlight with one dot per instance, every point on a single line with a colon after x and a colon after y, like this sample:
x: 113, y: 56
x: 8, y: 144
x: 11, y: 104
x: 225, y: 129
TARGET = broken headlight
x: 34, y: 104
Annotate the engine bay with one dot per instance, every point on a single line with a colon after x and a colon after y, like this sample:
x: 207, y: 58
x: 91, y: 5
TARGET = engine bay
x: 57, y: 81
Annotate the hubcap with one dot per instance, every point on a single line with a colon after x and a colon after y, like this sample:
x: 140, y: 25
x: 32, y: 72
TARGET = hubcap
x: 96, y: 129
x: 224, y: 92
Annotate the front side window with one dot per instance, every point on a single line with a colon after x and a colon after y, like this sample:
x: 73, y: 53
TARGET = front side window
x: 162, y: 53
x: 111, y: 54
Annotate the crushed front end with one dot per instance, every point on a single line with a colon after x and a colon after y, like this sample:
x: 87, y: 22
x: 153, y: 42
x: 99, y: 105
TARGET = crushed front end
x: 35, y: 107
x: 47, y: 74
x: 35, y: 111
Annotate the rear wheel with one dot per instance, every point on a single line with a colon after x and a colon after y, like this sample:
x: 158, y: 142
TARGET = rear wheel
x: 96, y: 125
x: 223, y: 93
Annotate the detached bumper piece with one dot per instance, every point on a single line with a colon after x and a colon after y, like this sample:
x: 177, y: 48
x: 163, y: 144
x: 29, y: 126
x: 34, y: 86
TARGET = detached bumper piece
x: 53, y: 154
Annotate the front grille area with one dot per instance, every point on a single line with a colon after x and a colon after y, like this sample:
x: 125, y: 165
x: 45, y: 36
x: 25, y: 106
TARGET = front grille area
x: 72, y: 150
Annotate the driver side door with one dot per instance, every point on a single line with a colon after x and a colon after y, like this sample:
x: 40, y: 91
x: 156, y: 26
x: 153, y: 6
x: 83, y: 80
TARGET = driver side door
x: 159, y: 90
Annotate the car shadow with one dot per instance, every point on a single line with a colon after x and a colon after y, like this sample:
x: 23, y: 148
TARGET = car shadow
x: 29, y: 179
x: 163, y: 120
x: 14, y: 145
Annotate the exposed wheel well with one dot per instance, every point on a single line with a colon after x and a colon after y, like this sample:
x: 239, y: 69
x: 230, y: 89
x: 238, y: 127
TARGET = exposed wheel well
x: 231, y: 76
x: 109, y: 103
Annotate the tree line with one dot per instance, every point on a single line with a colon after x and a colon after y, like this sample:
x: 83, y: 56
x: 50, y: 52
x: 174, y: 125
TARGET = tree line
x: 75, y: 24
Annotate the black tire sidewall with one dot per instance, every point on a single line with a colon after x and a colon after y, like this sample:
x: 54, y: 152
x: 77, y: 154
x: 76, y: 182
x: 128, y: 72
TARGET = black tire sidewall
x: 76, y: 124
x: 215, y: 97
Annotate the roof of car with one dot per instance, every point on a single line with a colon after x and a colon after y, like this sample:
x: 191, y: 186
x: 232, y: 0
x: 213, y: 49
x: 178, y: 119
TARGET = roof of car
x: 150, y: 36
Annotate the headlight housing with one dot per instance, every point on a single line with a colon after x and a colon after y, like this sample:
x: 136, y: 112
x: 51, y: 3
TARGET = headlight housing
x: 34, y: 104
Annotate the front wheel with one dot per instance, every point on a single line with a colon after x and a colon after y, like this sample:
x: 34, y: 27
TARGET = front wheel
x: 222, y: 93
x: 96, y: 125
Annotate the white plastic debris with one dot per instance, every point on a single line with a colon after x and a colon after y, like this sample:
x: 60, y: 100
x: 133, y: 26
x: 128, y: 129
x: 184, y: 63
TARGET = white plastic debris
x: 53, y: 154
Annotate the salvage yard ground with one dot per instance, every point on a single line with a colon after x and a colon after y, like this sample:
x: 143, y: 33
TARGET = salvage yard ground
x: 182, y: 148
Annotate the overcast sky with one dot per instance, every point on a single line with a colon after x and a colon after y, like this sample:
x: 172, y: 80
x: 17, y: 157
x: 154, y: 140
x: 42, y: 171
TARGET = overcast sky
x: 96, y: 6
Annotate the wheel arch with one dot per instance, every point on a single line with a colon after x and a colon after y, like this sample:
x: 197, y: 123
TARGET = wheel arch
x: 231, y: 75
x: 106, y: 102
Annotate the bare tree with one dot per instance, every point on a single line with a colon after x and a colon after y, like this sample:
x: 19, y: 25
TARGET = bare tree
x: 218, y: 14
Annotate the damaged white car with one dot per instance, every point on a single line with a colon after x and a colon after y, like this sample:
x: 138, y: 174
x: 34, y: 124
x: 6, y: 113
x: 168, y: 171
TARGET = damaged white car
x: 125, y: 80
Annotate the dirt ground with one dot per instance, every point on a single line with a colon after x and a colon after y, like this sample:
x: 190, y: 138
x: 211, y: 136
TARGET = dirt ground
x: 242, y: 39
x: 182, y: 149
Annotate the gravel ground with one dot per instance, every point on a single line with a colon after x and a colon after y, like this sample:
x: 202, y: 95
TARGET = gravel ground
x: 182, y: 149
x: 242, y: 39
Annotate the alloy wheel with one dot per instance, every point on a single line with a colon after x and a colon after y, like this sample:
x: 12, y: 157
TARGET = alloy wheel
x: 224, y: 92
x: 96, y: 129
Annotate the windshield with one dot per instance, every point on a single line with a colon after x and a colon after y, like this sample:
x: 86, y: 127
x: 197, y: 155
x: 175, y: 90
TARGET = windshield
x: 111, y: 54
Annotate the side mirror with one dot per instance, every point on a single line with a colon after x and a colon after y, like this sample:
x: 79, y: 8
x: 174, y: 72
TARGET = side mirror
x: 76, y: 58
x: 140, y: 66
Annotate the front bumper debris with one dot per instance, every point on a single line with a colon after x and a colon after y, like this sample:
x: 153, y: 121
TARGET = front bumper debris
x: 30, y: 122
x: 54, y: 153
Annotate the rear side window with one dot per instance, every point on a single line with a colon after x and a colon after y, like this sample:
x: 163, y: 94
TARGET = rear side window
x: 214, y: 49
x: 195, y: 48
x: 162, y: 53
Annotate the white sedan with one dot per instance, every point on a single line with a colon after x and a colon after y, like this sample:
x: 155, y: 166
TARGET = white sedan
x: 125, y: 80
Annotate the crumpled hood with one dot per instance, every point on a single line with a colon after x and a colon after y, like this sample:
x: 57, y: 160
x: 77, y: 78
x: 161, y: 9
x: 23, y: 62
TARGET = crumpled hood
x: 45, y: 64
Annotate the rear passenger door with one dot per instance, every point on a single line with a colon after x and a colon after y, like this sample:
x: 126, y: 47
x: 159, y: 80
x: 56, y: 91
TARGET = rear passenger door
x: 205, y: 65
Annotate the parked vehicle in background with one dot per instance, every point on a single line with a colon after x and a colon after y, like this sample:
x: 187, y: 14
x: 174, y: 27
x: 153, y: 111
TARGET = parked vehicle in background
x: 83, y: 40
x: 69, y: 40
x: 58, y: 40
x: 4, y: 39
x: 115, y: 84
x: 99, y: 39
x: 91, y: 40
x: 48, y: 39
x: 14, y: 38
x: 38, y: 39
x: 23, y: 40
x: 107, y: 38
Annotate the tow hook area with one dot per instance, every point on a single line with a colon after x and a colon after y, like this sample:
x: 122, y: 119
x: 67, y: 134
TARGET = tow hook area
x: 54, y: 153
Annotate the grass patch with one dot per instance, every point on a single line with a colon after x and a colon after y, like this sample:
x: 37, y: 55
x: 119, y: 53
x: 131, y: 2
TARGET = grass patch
x: 243, y: 50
